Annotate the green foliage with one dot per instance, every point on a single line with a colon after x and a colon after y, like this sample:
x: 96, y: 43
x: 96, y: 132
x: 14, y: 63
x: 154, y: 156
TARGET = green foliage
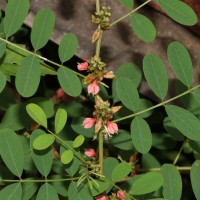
x: 127, y: 93
x: 180, y: 62
x: 43, y: 160
x: 47, y: 192
x: 69, y: 82
x: 37, y: 114
x: 60, y: 119
x: 43, y: 142
x: 147, y: 183
x: 42, y: 28
x: 11, y: 150
x: 179, y: 11
x: 13, y: 191
x: 40, y: 164
x: 28, y: 76
x: 15, y: 14
x: 67, y: 47
x: 79, y: 140
x: 2, y: 81
x: 184, y: 121
x: 127, y: 3
x: 121, y: 171
x: 141, y: 135
x: 195, y: 175
x: 156, y: 75
x: 143, y: 27
x: 172, y: 186
x: 67, y: 156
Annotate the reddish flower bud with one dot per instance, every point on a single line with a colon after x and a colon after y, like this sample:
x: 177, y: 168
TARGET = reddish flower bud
x: 121, y: 194
x: 93, y: 88
x: 82, y: 66
x: 111, y: 127
x: 89, y: 122
x: 89, y: 152
x: 101, y: 197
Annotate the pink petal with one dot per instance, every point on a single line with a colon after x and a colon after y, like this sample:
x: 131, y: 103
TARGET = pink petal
x: 93, y: 88
x: 82, y: 66
x: 101, y: 197
x: 112, y: 127
x: 89, y: 122
x: 121, y: 194
x: 90, y: 152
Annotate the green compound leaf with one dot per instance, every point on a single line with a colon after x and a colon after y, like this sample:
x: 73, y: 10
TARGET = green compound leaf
x: 127, y: 3
x: 42, y: 28
x: 28, y: 76
x: 43, y: 142
x: 67, y: 47
x: 47, y: 192
x: 11, y: 150
x: 179, y: 11
x: 184, y: 121
x: 43, y: 159
x: 78, y: 193
x: 79, y: 140
x: 2, y: 48
x: 127, y: 93
x: 15, y: 14
x: 67, y: 156
x: 134, y: 74
x: 147, y: 183
x: 143, y: 27
x: 180, y: 62
x: 121, y: 171
x: 60, y: 120
x: 195, y: 176
x: 141, y: 135
x: 37, y: 114
x: 172, y: 186
x: 156, y: 75
x: 2, y: 81
x: 11, y: 192
x: 69, y: 82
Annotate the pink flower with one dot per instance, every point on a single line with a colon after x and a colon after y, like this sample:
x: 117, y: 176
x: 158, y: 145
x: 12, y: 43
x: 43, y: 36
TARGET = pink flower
x: 121, y: 194
x: 82, y: 66
x: 89, y: 152
x: 93, y: 87
x: 89, y: 122
x: 111, y: 127
x: 101, y: 197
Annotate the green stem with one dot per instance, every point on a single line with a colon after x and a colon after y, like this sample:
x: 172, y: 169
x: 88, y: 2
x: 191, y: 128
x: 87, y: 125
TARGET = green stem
x: 158, y: 169
x: 98, y: 46
x: 179, y: 153
x: 128, y: 14
x: 39, y: 56
x: 158, y: 105
x: 101, y: 152
x: 97, y: 6
x: 40, y: 181
x: 67, y: 145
